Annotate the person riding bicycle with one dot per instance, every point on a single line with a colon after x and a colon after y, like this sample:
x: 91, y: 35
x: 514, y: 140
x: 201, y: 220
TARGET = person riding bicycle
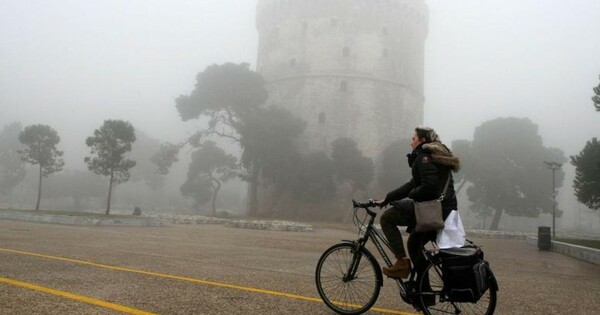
x: 431, y: 163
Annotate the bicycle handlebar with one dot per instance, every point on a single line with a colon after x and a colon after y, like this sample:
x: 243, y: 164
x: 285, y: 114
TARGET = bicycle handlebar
x: 365, y: 205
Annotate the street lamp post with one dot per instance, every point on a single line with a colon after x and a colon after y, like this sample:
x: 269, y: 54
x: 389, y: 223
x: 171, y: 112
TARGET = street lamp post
x: 554, y: 166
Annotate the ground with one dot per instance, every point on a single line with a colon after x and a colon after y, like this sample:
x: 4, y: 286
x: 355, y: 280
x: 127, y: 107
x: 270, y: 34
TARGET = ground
x: 213, y: 269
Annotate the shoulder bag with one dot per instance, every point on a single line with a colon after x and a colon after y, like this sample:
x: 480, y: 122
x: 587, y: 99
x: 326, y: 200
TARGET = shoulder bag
x: 428, y: 214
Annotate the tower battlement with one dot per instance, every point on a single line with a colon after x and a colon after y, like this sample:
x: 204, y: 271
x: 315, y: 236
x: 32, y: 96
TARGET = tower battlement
x: 409, y: 11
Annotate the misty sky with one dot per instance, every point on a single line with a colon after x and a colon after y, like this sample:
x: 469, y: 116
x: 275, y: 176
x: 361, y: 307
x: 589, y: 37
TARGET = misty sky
x: 73, y: 64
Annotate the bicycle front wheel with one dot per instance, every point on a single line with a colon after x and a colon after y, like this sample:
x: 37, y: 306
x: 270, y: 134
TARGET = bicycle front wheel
x: 341, y: 291
x: 434, y: 301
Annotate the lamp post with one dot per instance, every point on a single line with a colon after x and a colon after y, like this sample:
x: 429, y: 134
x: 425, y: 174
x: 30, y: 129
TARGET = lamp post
x: 554, y: 166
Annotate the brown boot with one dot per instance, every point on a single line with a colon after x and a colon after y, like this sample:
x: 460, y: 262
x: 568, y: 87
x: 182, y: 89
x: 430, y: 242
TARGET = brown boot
x: 401, y: 269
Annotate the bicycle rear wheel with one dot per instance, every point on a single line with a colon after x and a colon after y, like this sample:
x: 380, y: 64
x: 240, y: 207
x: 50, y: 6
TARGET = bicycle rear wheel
x: 433, y: 301
x: 348, y: 295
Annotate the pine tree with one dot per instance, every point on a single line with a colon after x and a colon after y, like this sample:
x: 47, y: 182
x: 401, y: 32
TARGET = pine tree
x: 596, y: 98
x: 108, y: 147
x: 41, y: 141
x: 587, y: 174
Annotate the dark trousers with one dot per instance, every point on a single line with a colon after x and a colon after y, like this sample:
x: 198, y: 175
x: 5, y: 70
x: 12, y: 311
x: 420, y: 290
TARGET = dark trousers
x: 403, y: 214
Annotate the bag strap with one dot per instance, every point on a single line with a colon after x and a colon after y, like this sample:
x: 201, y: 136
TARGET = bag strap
x: 445, y: 187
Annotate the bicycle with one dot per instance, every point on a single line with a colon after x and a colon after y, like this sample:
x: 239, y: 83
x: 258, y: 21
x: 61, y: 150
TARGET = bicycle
x: 349, y: 277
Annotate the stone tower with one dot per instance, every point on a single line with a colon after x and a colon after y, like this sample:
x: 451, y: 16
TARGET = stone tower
x: 349, y: 68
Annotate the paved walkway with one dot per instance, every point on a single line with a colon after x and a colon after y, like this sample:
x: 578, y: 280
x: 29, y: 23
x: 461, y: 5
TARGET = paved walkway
x: 212, y: 269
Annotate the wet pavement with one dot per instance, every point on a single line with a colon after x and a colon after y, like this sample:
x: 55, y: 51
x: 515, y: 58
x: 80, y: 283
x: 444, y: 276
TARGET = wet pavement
x: 213, y: 269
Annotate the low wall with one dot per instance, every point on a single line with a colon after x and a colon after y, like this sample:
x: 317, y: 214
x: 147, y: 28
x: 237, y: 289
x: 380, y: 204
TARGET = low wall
x: 80, y: 220
x: 267, y: 225
x: 497, y: 234
x: 153, y: 220
x: 588, y: 254
x: 270, y: 225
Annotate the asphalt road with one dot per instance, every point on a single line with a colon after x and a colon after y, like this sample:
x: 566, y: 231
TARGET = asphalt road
x: 212, y: 269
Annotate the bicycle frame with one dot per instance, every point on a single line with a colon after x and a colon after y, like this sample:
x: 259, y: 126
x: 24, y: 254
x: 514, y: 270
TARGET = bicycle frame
x: 370, y: 232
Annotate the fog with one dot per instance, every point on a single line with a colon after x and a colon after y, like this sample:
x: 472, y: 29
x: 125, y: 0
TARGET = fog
x: 74, y: 64
x: 536, y: 59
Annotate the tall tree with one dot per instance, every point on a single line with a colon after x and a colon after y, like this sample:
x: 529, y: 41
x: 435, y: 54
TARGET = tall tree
x: 108, y: 145
x: 587, y: 174
x: 165, y: 157
x: 269, y: 148
x: 350, y: 165
x: 596, y: 98
x: 228, y: 94
x: 462, y: 149
x: 198, y: 189
x: 395, y: 165
x: 145, y: 170
x: 507, y: 169
x: 313, y: 181
x: 267, y: 138
x: 213, y: 163
x: 12, y: 168
x: 41, y: 141
x: 233, y: 97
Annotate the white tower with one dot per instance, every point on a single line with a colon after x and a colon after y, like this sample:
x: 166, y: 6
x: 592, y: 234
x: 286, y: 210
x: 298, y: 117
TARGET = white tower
x: 349, y: 68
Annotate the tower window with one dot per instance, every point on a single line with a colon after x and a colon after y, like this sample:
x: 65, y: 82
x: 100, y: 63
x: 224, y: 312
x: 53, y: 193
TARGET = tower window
x: 346, y: 51
x: 344, y: 86
x: 321, y: 118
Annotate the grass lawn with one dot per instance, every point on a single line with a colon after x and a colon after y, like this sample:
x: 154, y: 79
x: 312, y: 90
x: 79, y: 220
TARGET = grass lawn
x: 587, y: 243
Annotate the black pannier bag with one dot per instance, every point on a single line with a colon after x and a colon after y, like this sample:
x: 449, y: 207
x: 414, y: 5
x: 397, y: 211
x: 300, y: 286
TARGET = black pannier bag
x: 465, y: 274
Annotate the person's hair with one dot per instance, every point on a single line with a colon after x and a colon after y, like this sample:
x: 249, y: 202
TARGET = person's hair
x: 426, y: 134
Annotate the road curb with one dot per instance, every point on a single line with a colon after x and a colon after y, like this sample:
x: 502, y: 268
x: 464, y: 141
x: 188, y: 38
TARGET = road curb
x: 587, y: 254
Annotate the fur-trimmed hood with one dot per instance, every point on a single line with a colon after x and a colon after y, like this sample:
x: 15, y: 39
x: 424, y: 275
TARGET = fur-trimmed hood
x: 440, y: 154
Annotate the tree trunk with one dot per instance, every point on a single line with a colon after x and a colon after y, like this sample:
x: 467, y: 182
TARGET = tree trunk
x: 215, y: 193
x: 109, y: 194
x: 39, y: 197
x: 253, y: 192
x: 496, y: 219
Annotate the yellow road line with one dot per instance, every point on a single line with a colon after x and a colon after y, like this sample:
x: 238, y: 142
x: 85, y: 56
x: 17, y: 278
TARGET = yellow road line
x: 194, y: 280
x: 72, y: 296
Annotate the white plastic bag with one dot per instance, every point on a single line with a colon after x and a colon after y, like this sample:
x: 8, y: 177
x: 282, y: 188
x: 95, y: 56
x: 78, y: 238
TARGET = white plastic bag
x: 453, y: 233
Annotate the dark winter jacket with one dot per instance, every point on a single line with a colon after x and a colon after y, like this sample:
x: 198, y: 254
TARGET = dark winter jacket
x: 431, y: 164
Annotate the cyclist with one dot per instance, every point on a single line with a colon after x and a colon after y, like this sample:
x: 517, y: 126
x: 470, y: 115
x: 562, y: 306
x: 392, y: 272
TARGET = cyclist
x: 431, y: 162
